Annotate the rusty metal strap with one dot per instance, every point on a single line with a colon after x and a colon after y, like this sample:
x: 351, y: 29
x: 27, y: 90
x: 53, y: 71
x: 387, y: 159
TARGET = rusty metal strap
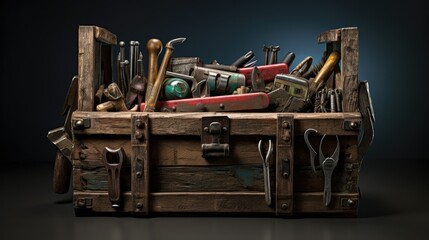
x: 140, y: 163
x: 284, y: 164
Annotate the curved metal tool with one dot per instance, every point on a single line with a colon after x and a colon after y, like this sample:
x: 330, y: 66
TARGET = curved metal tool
x: 302, y: 67
x: 258, y: 83
x: 200, y: 89
x: 113, y: 159
x: 243, y: 60
x: 368, y: 118
x: 153, y: 96
x: 266, y: 169
x: 313, y: 152
x: 328, y: 165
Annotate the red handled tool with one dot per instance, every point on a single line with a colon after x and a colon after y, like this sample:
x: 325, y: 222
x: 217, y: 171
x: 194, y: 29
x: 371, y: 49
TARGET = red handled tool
x: 225, y: 103
x: 268, y: 72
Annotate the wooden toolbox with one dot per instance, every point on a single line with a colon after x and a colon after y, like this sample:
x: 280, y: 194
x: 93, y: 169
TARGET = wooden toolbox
x: 156, y: 163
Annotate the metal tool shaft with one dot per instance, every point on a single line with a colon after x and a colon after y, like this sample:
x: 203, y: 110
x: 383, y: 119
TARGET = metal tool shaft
x: 132, y: 59
x: 153, y: 96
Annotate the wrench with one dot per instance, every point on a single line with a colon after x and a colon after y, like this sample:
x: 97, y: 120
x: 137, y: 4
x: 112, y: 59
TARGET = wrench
x: 266, y: 169
x: 328, y: 165
x: 310, y: 148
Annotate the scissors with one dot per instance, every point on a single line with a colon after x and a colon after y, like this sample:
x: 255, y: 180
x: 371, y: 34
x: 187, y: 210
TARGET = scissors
x: 266, y: 169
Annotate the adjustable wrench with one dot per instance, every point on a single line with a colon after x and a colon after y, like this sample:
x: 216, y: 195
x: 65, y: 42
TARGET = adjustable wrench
x: 266, y: 169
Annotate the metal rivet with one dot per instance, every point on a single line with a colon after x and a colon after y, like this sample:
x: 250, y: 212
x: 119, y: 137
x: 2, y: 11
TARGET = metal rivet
x: 139, y: 174
x: 139, y: 205
x: 139, y: 123
x: 138, y: 135
x: 225, y: 129
x: 173, y: 108
x: 350, y: 202
x: 78, y: 124
x: 285, y: 206
x: 221, y: 106
x: 206, y: 129
x: 81, y: 203
x: 286, y: 124
x: 82, y: 156
x: 354, y: 125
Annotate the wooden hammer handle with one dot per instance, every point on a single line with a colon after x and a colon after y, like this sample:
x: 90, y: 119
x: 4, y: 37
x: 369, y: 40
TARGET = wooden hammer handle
x: 62, y: 173
x: 154, y: 47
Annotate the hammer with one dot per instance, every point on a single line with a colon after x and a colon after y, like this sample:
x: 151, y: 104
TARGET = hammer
x: 154, y: 93
x: 319, y: 80
x: 116, y: 100
x: 154, y: 47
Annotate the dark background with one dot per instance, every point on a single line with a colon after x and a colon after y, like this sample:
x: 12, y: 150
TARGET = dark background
x: 39, y: 58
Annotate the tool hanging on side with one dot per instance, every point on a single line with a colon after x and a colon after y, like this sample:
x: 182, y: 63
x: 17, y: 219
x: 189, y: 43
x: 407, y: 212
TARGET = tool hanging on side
x: 113, y: 159
x: 328, y: 165
x: 62, y: 140
x: 266, y: 168
x: 313, y: 152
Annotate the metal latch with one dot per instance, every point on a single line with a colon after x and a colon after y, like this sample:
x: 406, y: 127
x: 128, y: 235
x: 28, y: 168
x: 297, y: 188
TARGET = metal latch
x: 215, y: 137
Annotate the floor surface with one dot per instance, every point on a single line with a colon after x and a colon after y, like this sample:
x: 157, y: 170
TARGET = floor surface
x: 393, y: 206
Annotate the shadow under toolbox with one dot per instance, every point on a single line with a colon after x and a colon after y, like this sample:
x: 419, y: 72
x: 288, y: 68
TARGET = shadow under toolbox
x: 255, y: 162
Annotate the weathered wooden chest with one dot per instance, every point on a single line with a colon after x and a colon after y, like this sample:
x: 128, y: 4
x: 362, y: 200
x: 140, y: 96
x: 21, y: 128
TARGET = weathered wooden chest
x: 257, y: 163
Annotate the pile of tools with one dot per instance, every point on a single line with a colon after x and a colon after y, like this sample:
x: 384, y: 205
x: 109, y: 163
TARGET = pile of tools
x: 187, y: 84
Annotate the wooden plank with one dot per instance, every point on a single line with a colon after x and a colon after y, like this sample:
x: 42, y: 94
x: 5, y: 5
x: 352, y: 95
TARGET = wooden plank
x: 349, y: 68
x: 312, y: 203
x: 343, y: 180
x: 105, y: 36
x: 329, y: 36
x: 100, y: 202
x: 95, y: 178
x: 241, y: 123
x: 232, y: 178
x: 91, y: 56
x: 91, y: 147
x: 210, y: 202
x: 220, y: 202
x: 116, y: 123
x: 87, y: 68
x: 167, y: 152
x: 76, y: 173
